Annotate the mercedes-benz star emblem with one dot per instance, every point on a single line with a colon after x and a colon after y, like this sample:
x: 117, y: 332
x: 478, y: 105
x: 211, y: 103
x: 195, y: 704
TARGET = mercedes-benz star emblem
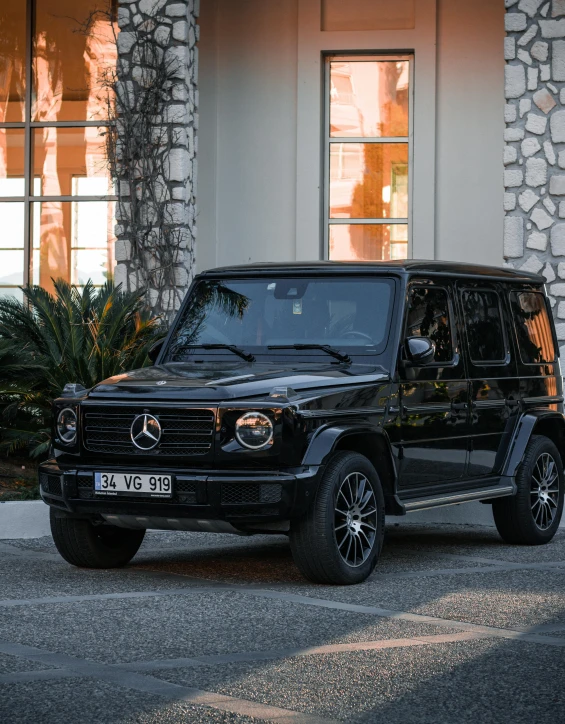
x: 145, y: 432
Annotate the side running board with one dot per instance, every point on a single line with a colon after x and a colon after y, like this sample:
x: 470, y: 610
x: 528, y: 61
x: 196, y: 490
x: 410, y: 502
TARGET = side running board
x: 436, y: 501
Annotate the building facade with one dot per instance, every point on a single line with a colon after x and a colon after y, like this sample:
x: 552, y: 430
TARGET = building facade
x: 297, y: 129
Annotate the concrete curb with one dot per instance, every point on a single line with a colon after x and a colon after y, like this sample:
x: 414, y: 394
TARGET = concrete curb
x: 30, y: 518
x: 24, y: 519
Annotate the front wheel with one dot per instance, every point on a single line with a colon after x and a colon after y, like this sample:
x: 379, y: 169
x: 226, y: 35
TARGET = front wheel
x: 94, y: 546
x: 340, y: 538
x: 532, y: 516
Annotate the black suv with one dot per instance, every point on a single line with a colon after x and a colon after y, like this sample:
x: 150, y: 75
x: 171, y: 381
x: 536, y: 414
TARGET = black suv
x: 311, y: 399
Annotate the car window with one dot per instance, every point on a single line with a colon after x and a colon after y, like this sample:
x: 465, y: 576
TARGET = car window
x: 351, y: 313
x: 533, y: 328
x: 428, y: 316
x: 483, y: 325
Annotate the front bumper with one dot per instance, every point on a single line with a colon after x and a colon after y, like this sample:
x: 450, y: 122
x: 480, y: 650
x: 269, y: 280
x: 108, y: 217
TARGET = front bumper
x: 239, y: 497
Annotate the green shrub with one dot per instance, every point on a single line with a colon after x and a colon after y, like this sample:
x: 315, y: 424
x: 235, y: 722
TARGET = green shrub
x: 81, y: 335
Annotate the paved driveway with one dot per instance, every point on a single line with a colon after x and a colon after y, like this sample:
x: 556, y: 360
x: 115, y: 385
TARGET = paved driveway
x: 454, y: 626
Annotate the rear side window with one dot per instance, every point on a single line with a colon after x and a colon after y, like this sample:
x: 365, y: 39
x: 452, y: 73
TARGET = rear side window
x: 483, y: 326
x: 533, y: 328
x: 428, y: 316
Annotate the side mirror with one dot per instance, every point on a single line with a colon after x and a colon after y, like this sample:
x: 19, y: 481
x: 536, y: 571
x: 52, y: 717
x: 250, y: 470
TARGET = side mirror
x: 155, y: 349
x: 420, y: 350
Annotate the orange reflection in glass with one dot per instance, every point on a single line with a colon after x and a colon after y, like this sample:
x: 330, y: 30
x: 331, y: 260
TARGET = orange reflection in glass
x: 62, y: 154
x: 69, y: 64
x: 369, y: 180
x: 73, y: 240
x: 369, y: 98
x: 12, y: 60
x: 369, y: 242
x: 11, y: 162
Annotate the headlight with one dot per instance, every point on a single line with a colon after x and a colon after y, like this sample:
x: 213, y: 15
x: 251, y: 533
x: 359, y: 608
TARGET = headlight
x: 254, y: 430
x: 67, y: 426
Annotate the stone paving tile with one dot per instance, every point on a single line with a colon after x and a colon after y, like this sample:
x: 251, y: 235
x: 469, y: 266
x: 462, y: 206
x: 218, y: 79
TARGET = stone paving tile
x: 12, y: 664
x: 23, y: 578
x: 474, y: 681
x: 502, y: 599
x: 468, y: 540
x: 182, y: 626
x: 90, y: 701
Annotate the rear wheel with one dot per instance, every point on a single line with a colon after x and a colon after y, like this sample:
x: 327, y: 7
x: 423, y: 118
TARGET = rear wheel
x: 532, y: 516
x: 94, y: 546
x: 340, y: 539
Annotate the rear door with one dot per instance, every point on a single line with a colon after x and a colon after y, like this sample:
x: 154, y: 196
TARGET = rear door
x: 486, y: 337
x: 434, y: 397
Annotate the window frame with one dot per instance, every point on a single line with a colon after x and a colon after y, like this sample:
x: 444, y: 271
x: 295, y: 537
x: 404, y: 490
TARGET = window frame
x: 551, y: 326
x: 455, y: 356
x: 328, y: 140
x: 486, y: 363
x: 28, y: 126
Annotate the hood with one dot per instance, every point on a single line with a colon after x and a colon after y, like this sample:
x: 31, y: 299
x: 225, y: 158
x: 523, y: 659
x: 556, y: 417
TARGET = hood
x: 218, y: 381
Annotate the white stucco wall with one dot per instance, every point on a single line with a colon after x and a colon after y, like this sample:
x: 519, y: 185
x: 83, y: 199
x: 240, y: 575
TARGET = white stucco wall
x: 247, y: 131
x: 260, y: 88
x: 470, y: 131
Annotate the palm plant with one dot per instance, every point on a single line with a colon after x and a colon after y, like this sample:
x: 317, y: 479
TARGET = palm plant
x: 78, y: 335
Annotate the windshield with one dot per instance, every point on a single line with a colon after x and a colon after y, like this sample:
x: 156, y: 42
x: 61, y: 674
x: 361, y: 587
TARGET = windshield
x: 350, y: 314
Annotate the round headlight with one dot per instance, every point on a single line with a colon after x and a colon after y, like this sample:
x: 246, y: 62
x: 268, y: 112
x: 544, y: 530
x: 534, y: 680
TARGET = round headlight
x: 254, y: 430
x: 67, y: 426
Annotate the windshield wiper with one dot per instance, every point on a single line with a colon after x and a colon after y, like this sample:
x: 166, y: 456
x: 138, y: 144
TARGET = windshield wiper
x: 323, y: 347
x: 231, y: 347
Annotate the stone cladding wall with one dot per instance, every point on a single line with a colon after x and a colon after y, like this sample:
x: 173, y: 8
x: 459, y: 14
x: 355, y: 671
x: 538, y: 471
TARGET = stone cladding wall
x: 534, y: 151
x: 177, y: 33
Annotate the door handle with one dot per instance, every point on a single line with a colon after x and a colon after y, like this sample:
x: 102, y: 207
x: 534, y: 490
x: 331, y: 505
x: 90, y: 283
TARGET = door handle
x: 459, y: 406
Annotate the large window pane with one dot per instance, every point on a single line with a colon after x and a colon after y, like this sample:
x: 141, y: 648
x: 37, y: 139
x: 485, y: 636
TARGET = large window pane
x: 369, y: 98
x: 69, y: 65
x: 73, y: 240
x: 12, y: 292
x: 64, y: 155
x: 12, y: 223
x: 369, y: 180
x: 12, y: 60
x: 11, y: 267
x: 12, y: 161
x: 350, y: 242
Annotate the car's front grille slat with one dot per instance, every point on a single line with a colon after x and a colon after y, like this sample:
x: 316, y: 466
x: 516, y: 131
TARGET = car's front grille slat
x: 183, y: 432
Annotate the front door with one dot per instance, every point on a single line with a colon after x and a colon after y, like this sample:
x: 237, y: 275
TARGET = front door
x: 433, y: 397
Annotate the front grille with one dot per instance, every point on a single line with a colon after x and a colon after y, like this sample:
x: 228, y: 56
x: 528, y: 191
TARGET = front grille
x: 51, y: 484
x: 184, y: 432
x: 239, y: 493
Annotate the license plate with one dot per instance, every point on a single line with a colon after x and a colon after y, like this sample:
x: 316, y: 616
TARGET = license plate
x: 152, y: 486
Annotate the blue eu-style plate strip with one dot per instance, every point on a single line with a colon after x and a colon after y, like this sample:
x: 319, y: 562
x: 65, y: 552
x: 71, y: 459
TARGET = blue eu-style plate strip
x: 97, y: 481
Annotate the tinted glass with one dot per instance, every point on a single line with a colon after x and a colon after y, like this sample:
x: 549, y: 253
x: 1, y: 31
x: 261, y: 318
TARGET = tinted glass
x: 483, y: 325
x: 533, y: 328
x: 74, y: 50
x: 12, y: 60
x: 369, y: 98
x: 428, y: 316
x: 350, y: 314
x: 369, y: 180
x: 349, y: 242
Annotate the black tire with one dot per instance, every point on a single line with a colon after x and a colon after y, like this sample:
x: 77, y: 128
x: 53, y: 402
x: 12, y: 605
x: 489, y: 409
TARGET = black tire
x: 318, y: 540
x: 94, y: 546
x: 522, y: 519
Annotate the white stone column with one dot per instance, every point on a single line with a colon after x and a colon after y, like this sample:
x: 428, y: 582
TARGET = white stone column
x: 534, y: 152
x: 175, y: 32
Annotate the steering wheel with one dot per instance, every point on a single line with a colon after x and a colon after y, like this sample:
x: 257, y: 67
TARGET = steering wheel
x: 355, y: 333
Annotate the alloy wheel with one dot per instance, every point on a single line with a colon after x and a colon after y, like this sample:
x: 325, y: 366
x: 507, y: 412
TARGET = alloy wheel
x: 544, y: 491
x: 355, y: 519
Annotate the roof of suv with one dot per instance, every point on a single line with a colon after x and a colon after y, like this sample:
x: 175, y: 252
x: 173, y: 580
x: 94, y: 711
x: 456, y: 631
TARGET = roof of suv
x: 403, y: 266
